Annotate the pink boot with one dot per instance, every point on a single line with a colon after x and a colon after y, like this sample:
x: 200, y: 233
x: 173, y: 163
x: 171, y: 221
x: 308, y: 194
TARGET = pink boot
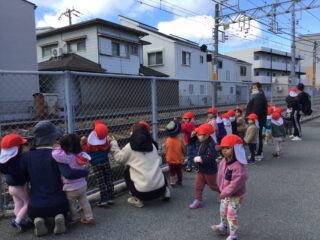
x: 196, y: 204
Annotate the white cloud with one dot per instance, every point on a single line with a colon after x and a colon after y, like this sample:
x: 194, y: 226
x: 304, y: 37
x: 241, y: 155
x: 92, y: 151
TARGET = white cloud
x: 199, y: 29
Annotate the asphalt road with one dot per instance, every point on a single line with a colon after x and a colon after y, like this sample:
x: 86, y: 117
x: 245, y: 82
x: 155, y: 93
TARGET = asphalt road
x: 282, y: 202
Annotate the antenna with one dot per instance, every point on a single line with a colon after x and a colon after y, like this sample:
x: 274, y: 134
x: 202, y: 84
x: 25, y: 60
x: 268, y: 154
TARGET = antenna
x: 68, y: 13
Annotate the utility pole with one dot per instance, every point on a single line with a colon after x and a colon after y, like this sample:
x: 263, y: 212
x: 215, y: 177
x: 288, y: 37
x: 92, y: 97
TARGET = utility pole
x: 68, y: 13
x: 216, y: 42
x: 314, y: 71
x: 293, y: 44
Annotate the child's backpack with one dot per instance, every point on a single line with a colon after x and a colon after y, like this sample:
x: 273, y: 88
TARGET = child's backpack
x: 306, y: 107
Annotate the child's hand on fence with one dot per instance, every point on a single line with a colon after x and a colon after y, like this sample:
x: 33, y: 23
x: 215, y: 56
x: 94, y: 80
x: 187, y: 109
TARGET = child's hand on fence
x: 197, y: 159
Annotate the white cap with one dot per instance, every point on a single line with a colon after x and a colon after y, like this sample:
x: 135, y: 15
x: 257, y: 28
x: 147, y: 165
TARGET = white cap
x: 240, y: 153
x: 8, y: 153
x: 94, y: 140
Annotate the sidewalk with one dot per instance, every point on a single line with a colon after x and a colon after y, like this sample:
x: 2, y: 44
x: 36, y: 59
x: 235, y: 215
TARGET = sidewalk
x: 282, y: 202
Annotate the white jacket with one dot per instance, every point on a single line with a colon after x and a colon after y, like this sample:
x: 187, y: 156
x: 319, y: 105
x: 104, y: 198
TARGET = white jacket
x: 145, y: 171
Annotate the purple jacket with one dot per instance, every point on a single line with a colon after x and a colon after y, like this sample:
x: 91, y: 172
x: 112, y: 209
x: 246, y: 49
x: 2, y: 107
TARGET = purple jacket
x: 232, y: 178
x: 61, y: 157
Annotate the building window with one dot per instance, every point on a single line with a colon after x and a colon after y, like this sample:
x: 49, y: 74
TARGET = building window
x: 186, y: 58
x: 220, y: 65
x: 243, y: 71
x: 46, y: 50
x: 274, y: 74
x: 134, y: 50
x: 201, y: 59
x: 256, y: 73
x: 155, y: 58
x: 228, y: 75
x: 231, y: 90
x: 202, y: 89
x: 256, y: 57
x: 268, y: 74
x: 190, y: 89
x: 120, y: 50
x: 76, y: 46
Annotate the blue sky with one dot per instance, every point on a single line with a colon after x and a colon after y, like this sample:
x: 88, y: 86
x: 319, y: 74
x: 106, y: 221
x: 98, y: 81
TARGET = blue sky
x: 191, y: 19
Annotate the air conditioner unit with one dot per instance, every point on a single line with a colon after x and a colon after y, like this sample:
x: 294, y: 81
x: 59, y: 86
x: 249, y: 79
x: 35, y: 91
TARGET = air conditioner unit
x: 56, y: 52
x: 279, y: 88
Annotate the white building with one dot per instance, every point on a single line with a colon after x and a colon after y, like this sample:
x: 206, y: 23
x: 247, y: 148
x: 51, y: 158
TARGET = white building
x: 177, y: 57
x: 17, y: 52
x: 118, y: 49
x: 305, y: 49
x: 268, y: 63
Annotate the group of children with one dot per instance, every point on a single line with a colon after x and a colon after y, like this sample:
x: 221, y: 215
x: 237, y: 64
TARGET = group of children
x: 215, y: 151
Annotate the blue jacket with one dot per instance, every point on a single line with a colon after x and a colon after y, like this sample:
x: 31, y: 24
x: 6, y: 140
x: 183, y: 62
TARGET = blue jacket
x: 98, y: 157
x: 44, y: 175
x: 12, y: 172
x: 207, y: 152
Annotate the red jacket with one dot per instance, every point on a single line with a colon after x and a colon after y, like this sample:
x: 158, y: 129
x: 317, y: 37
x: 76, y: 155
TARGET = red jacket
x: 232, y: 178
x: 187, y: 129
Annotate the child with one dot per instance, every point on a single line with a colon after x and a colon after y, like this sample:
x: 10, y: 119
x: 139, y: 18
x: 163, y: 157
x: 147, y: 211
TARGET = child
x: 11, y: 149
x: 98, y: 147
x: 241, y: 124
x: 278, y: 132
x: 288, y: 124
x: 232, y: 177
x: 70, y: 153
x: 232, y: 118
x: 251, y: 136
x: 267, y: 128
x: 189, y: 138
x: 221, y: 129
x: 206, y: 165
x: 227, y: 123
x: 174, y: 153
x: 212, y: 115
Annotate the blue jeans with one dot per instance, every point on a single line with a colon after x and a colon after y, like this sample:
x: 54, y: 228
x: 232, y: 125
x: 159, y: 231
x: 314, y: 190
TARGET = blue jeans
x: 191, y: 153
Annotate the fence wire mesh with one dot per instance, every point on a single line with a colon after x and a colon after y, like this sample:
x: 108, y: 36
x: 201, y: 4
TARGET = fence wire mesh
x: 73, y: 101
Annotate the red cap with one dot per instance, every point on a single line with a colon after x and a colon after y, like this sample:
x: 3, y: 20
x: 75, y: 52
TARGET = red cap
x: 146, y: 124
x: 206, y: 128
x: 292, y: 89
x: 253, y: 117
x: 276, y: 115
x: 225, y: 115
x: 231, y: 113
x: 188, y: 115
x: 212, y: 110
x: 270, y: 110
x: 12, y: 140
x: 279, y: 110
x: 101, y: 129
x: 230, y: 141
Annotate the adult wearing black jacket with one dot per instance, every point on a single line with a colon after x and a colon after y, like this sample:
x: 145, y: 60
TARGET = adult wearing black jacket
x: 293, y: 103
x: 258, y: 104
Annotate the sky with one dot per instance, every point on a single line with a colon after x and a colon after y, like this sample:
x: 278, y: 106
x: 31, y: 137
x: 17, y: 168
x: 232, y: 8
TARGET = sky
x: 189, y: 19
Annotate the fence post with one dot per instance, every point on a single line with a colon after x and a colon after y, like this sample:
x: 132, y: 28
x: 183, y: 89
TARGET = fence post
x: 248, y: 93
x: 154, y: 104
x: 214, y: 94
x: 69, y: 114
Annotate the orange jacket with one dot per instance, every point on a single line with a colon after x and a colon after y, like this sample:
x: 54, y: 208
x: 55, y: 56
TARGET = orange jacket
x: 174, y: 150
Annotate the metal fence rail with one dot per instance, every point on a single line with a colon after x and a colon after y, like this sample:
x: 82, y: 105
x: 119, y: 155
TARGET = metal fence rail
x: 74, y: 100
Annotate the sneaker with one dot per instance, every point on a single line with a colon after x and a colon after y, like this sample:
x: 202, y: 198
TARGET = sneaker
x: 40, y: 228
x: 188, y: 169
x: 110, y: 202
x: 136, y: 202
x: 296, y: 139
x: 259, y: 158
x: 252, y: 162
x: 196, y: 204
x: 220, y: 229
x: 231, y: 238
x: 167, y: 195
x: 22, y: 227
x: 102, y: 203
x: 291, y: 136
x: 88, y: 221
x: 59, y: 224
x: 172, y: 182
x: 276, y: 154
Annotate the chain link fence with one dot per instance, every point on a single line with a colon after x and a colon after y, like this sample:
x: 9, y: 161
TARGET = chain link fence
x: 74, y: 100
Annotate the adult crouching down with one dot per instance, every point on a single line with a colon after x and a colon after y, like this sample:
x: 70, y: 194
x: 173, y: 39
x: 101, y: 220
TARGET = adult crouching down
x: 143, y: 175
x: 47, y: 199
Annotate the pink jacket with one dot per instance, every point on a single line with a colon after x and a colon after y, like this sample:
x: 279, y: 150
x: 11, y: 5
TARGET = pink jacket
x: 232, y: 178
x: 61, y: 157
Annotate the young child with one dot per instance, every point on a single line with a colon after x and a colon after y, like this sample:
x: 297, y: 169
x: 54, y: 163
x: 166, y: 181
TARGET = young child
x: 288, y: 124
x: 227, y: 123
x: 206, y: 166
x: 232, y: 118
x: 212, y: 115
x: 241, y: 123
x: 251, y: 136
x: 221, y: 129
x: 11, y: 149
x: 232, y: 177
x: 98, y: 147
x: 189, y: 138
x: 70, y: 153
x: 278, y: 132
x: 267, y: 128
x: 174, y: 153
